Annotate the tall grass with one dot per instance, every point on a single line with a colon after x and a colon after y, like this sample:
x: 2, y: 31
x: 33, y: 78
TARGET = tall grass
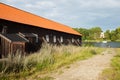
x: 113, y: 73
x: 48, y: 58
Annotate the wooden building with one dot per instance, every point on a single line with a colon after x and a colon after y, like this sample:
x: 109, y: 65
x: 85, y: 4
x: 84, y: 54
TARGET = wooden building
x: 33, y: 44
x: 11, y: 43
x: 13, y: 20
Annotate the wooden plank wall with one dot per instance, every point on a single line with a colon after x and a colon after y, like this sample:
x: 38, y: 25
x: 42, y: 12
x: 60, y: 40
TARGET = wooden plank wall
x: 18, y: 46
x: 5, y: 47
x: 17, y: 27
x: 11, y: 47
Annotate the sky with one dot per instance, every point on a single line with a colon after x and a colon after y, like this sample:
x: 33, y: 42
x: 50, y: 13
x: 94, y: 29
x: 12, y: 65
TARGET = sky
x: 74, y: 13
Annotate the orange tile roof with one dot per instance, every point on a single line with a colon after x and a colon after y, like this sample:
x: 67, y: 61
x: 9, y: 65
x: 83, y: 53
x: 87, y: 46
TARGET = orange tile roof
x: 17, y: 15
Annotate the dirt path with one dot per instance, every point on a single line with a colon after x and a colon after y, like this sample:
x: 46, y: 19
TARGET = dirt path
x: 87, y: 69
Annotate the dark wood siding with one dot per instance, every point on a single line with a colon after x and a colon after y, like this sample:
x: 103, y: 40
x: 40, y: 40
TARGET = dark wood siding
x: 14, y: 27
x: 11, y: 47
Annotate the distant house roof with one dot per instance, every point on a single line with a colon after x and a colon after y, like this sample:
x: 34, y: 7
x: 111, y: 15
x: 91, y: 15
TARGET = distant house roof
x: 20, y: 16
x: 13, y: 38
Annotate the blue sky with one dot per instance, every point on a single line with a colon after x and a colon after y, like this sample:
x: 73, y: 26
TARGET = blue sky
x: 74, y: 13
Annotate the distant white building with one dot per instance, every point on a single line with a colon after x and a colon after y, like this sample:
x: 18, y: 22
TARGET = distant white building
x: 102, y: 35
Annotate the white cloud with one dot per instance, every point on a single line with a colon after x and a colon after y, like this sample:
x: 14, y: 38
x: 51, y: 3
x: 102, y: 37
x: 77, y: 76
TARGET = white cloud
x: 73, y: 12
x: 99, y: 3
x: 45, y: 4
x: 41, y: 4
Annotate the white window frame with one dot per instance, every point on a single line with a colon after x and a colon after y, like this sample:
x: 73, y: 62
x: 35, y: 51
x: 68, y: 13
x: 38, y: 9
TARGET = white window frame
x: 36, y: 37
x: 61, y: 39
x: 78, y: 40
x: 54, y: 39
x: 73, y: 40
x: 47, y: 38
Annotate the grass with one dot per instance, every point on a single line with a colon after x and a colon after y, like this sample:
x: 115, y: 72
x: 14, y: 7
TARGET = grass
x: 49, y: 58
x: 113, y: 73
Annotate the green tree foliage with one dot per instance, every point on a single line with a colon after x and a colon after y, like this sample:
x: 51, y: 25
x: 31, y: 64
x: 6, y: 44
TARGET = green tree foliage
x: 118, y: 33
x: 89, y: 34
x: 84, y: 32
x: 94, y: 33
x: 113, y: 36
x: 107, y: 34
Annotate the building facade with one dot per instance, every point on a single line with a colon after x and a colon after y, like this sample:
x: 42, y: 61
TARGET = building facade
x: 13, y: 20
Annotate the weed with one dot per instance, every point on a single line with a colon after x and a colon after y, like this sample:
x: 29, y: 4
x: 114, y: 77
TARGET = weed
x: 46, y: 78
x: 112, y: 73
x: 67, y: 66
x: 48, y: 58
x: 60, y: 72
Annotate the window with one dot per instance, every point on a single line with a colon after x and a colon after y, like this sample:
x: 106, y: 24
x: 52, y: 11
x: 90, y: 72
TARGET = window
x: 72, y: 40
x: 78, y: 40
x: 61, y: 39
x: 54, y: 39
x: 47, y: 38
x: 36, y: 38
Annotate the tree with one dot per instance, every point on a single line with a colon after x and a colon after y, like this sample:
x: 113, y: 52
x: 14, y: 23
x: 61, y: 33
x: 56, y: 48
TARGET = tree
x: 107, y: 34
x: 113, y: 36
x: 117, y: 31
x: 95, y: 33
x: 84, y: 32
x: 89, y: 34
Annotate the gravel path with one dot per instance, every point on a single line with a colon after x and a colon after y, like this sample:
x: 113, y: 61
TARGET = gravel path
x: 87, y: 69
